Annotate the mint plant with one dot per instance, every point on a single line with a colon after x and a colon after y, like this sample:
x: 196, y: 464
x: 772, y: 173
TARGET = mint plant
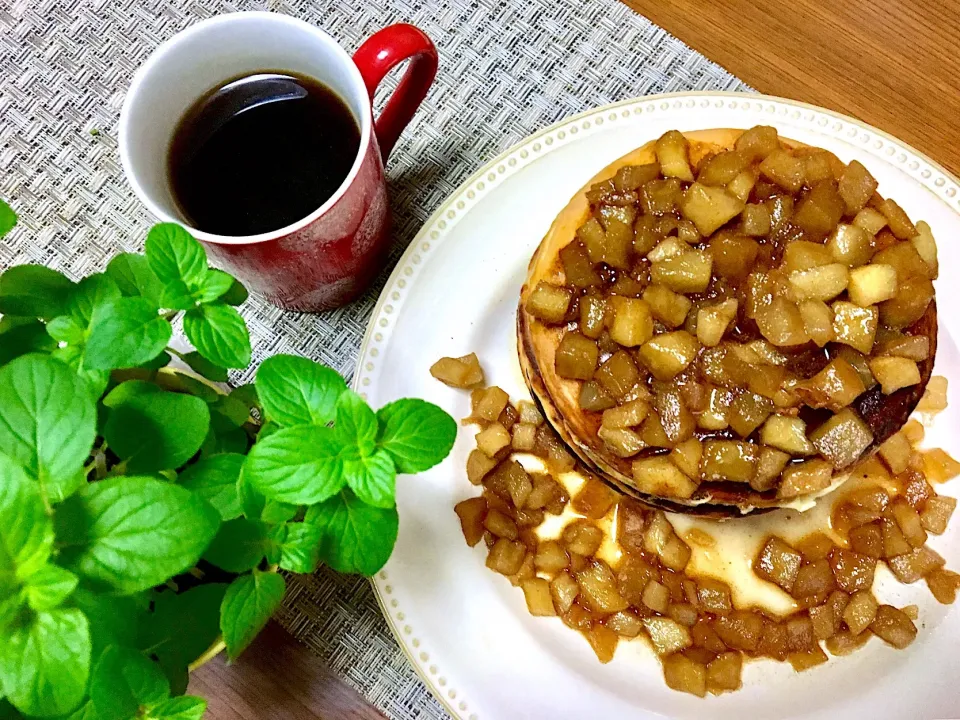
x: 145, y: 513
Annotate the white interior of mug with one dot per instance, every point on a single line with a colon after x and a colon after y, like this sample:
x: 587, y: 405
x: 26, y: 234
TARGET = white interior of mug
x: 206, y: 56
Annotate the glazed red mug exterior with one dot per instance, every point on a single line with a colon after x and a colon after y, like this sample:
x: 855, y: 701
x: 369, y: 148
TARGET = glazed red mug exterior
x: 329, y: 257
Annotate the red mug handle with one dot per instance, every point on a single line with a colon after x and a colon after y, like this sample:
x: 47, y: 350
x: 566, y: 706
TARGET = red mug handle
x: 382, y: 52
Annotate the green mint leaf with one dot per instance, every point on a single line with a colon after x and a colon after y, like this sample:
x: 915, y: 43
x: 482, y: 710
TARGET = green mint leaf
x: 219, y: 334
x: 177, y: 296
x: 72, y: 357
x: 160, y: 361
x: 238, y: 546
x: 128, y: 390
x: 246, y: 394
x: 9, y: 322
x: 183, y: 625
x: 417, y: 434
x: 45, y: 662
x: 299, y: 465
x: 200, y: 365
x: 183, y: 382
x: 173, y: 254
x: 297, y: 391
x: 47, y: 421
x: 224, y: 437
x: 26, y: 338
x: 89, y: 295
x: 275, y: 537
x: 187, y: 707
x: 355, y: 537
x: 26, y: 533
x: 278, y: 512
x: 214, y: 478
x: 114, y: 620
x: 9, y: 712
x: 252, y: 502
x: 214, y: 286
x: 127, y: 534
x: 34, y: 291
x: 49, y: 586
x: 356, y: 423
x: 125, y: 333
x: 373, y: 478
x: 236, y: 295
x: 234, y: 410
x: 134, y: 277
x: 157, y: 431
x: 123, y: 681
x: 13, y: 598
x: 300, y: 547
x: 8, y: 218
x: 65, y: 329
x: 247, y: 606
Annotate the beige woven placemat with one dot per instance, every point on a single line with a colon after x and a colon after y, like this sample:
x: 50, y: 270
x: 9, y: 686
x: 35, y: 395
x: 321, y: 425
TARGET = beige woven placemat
x: 507, y: 69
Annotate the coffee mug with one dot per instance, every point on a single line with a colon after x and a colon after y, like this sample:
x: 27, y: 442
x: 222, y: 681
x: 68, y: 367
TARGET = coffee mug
x: 329, y: 257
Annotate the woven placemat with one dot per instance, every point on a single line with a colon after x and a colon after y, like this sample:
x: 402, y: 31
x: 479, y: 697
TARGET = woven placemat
x: 507, y: 69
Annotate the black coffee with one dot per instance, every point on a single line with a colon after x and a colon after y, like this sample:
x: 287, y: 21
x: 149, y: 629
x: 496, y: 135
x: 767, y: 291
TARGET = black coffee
x: 260, y: 153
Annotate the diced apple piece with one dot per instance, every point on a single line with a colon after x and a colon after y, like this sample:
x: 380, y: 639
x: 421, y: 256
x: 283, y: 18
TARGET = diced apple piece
x: 524, y: 437
x: 817, y: 321
x: 803, y: 255
x: 806, y: 477
x: 686, y: 456
x: 478, y: 465
x: 564, y: 590
x: 900, y: 224
x: 733, y: 255
x: 870, y: 221
x: 896, y: 452
x: 578, y: 269
x: 758, y: 142
x: 740, y: 630
x: 686, y: 273
x: 472, y: 512
x: 914, y: 347
x: 500, y: 525
x: 593, y: 311
x: 850, y: 245
x: 778, y: 563
x: 721, y: 168
x: 914, y: 565
x: 843, y: 438
x: 630, y: 177
x: 788, y: 434
x: 668, y: 307
x: 755, y: 220
x: 673, y: 154
x: 820, y: 283
x: 713, y: 321
x: 603, y: 641
x: 770, y: 465
x: 462, y: 372
x: 748, y: 412
x: 781, y: 323
x: 549, y: 303
x: 894, y: 373
x: 577, y: 355
x: 598, y: 589
x: 742, y: 185
x: 856, y: 186
x: 934, y: 400
x: 714, y: 596
x: 908, y: 520
x: 630, y: 414
x: 656, y: 596
x: 669, y: 353
x: 582, y: 537
x: 872, y: 284
x: 904, y: 258
x: 820, y: 209
x: 823, y: 621
x: 594, y: 499
x: 492, y: 439
x: 784, y: 169
x: 860, y: 611
x: 854, y: 325
x: 536, y: 591
x: 714, y: 417
x: 936, y: 513
x: 851, y: 570
x: 944, y: 585
x: 506, y: 556
x: 728, y: 460
x: 618, y: 374
x: 815, y: 546
x: 814, y: 578
x: 551, y: 557
x: 893, y: 627
x: 926, y: 248
x: 659, y: 476
x: 625, y: 623
x: 911, y: 301
x: 632, y: 323
x: 669, y: 248
x: 807, y: 659
x: 685, y: 675
x: 667, y: 636
x: 723, y: 673
x: 834, y: 387
x: 709, y: 207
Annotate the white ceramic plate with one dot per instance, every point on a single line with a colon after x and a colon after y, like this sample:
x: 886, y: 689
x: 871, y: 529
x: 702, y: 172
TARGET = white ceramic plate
x: 466, y: 630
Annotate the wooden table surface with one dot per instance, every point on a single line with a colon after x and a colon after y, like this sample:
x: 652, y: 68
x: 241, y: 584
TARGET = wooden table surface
x: 889, y: 63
